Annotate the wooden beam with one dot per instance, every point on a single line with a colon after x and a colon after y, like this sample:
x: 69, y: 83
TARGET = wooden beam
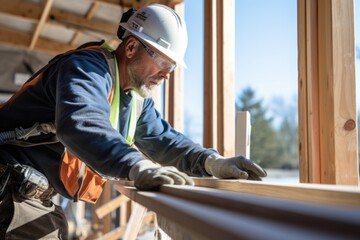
x: 20, y: 39
x: 216, y: 214
x: 219, y: 64
x: 308, y: 87
x: 41, y: 23
x: 21, y: 9
x: 210, y: 74
x: 77, y: 21
x: 110, y: 206
x: 327, y: 101
x: 323, y: 194
x: 89, y: 15
x: 33, y: 12
x: 135, y: 221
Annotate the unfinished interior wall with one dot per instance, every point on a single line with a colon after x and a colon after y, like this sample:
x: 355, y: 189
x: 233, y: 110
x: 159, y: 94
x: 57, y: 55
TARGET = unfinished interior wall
x: 328, y: 149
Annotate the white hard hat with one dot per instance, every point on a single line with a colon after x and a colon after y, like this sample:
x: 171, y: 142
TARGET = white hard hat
x: 160, y: 27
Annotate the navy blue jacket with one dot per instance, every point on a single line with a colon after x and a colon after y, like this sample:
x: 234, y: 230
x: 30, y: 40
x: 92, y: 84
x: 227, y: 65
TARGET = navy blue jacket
x: 73, y: 94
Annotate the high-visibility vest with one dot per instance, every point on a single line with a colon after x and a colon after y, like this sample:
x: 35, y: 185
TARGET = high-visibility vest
x: 80, y: 181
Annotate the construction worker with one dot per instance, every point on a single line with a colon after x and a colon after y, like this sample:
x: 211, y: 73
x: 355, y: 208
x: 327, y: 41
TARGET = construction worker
x: 73, y: 124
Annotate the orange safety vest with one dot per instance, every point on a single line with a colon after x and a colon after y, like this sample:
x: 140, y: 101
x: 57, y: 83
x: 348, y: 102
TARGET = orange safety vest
x: 80, y: 181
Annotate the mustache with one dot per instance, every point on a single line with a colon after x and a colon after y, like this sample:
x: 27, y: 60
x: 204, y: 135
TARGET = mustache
x: 156, y: 79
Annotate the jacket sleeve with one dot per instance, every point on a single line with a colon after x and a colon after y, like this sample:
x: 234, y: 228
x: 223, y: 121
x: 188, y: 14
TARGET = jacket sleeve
x: 82, y: 115
x: 161, y: 143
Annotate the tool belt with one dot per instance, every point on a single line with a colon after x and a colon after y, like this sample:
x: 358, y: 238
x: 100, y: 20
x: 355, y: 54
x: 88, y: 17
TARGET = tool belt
x: 26, y: 181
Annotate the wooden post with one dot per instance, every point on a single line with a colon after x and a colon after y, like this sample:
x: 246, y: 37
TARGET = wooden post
x: 134, y: 223
x: 219, y: 62
x: 327, y: 101
x: 210, y: 97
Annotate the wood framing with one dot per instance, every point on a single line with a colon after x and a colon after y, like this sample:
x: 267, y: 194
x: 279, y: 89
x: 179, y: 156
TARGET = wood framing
x: 45, y: 14
x: 341, y: 196
x: 219, y: 67
x: 327, y: 100
x: 192, y: 212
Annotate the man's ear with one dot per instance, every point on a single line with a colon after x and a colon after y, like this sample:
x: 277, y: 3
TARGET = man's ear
x: 131, y: 47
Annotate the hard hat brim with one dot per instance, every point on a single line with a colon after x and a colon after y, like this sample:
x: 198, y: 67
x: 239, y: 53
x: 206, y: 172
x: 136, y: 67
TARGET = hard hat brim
x: 152, y: 42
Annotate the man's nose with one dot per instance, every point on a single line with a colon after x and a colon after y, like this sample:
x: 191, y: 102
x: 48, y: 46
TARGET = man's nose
x: 165, y: 74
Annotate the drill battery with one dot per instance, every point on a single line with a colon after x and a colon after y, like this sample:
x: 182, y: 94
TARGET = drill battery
x: 29, y: 183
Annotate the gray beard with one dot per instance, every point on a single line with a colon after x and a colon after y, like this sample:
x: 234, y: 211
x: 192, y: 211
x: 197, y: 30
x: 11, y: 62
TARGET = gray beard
x: 143, y: 91
x: 139, y: 86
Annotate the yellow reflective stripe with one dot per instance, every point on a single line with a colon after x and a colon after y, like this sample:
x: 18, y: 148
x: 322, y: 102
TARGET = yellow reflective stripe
x: 107, y: 47
x: 115, y: 105
x: 132, y: 122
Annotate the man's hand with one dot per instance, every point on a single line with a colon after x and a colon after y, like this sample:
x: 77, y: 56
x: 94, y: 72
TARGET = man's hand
x: 149, y: 176
x: 235, y: 167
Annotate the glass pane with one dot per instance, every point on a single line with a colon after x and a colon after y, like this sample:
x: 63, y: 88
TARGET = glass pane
x: 266, y: 82
x: 194, y: 76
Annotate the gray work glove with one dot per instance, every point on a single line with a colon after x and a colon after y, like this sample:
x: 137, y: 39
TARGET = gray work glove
x: 150, y: 176
x: 235, y: 167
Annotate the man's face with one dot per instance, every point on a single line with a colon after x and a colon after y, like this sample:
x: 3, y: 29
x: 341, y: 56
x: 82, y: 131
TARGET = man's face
x: 145, y: 72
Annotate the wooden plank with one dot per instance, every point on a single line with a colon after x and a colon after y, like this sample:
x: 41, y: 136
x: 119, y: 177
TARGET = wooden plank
x: 134, y: 224
x: 41, y: 23
x: 341, y: 196
x: 226, y: 82
x: 21, y: 9
x: 327, y: 112
x: 337, y: 97
x: 312, y: 83
x: 216, y: 214
x: 110, y: 206
x: 219, y: 59
x: 33, y: 12
x: 77, y: 21
x: 308, y: 89
x: 312, y: 193
x: 226, y: 77
x: 243, y: 134
x: 210, y: 73
x: 22, y: 40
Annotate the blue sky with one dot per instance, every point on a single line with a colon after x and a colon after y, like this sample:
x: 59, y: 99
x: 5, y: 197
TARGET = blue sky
x: 265, y: 54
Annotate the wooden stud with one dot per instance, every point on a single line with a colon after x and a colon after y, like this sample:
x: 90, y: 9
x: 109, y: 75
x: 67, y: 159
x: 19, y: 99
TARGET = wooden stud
x: 219, y: 62
x: 210, y: 73
x: 327, y: 101
x: 226, y: 78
